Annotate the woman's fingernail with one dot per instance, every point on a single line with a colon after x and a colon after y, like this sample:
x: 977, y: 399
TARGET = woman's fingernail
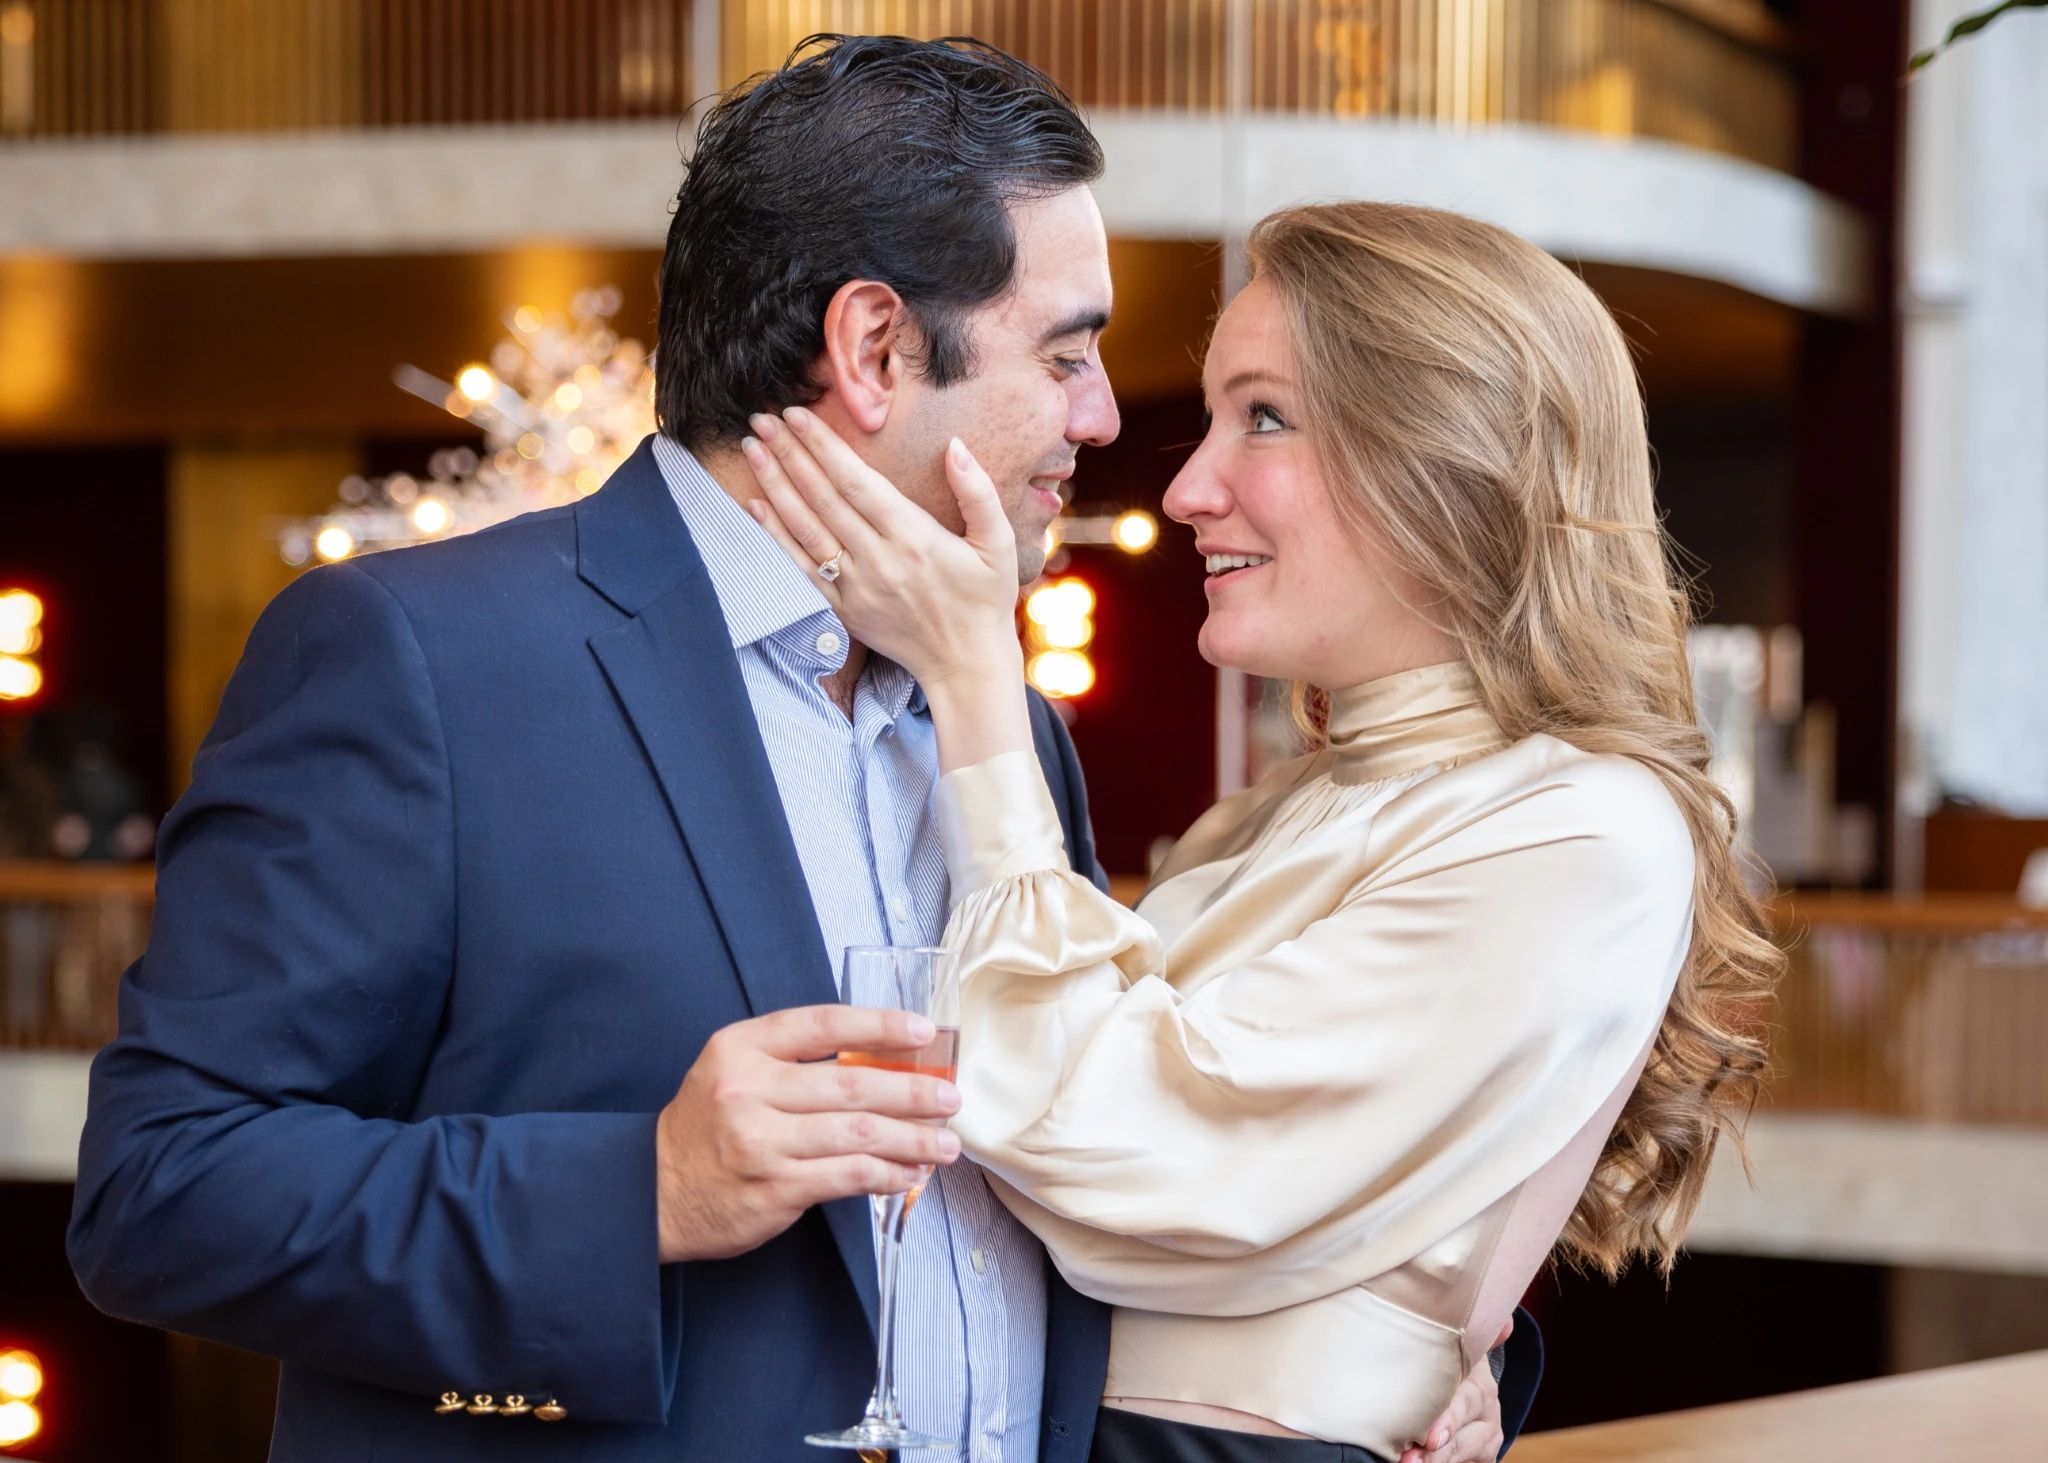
x: 949, y: 1097
x: 750, y: 447
x: 764, y: 424
x: 958, y: 449
x: 796, y: 416
x: 949, y: 1147
x: 759, y: 510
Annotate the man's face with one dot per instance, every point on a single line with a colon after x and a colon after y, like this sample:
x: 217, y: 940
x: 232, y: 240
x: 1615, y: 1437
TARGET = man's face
x: 1038, y: 390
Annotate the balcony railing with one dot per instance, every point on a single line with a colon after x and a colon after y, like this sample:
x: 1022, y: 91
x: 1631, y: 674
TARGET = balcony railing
x: 67, y: 931
x: 1934, y: 1010
x: 1714, y: 74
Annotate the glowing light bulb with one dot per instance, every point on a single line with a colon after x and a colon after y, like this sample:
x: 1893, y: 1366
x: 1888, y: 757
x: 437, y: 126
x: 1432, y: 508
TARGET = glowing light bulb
x: 1061, y: 674
x: 526, y: 319
x: 568, y: 396
x: 334, y: 543
x: 19, y: 608
x: 21, y: 1376
x: 431, y: 515
x: 530, y: 445
x: 476, y: 382
x: 580, y: 440
x: 19, y: 1421
x: 19, y: 679
x: 1135, y: 531
x: 588, y: 481
x: 1053, y: 540
x: 1073, y: 633
x: 1063, y: 599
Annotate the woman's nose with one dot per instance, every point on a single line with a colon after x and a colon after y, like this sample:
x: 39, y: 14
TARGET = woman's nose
x: 1195, y: 492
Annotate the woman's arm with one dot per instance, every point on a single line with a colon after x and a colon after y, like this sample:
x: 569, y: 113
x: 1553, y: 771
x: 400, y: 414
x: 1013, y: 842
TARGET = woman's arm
x: 1278, y: 1116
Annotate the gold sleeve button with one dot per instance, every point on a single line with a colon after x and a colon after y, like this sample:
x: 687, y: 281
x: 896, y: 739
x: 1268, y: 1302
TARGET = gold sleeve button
x: 551, y: 1412
x: 481, y: 1405
x: 450, y: 1402
x: 514, y: 1406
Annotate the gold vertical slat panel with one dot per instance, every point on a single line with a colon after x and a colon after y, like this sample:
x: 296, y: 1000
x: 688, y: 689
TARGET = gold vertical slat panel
x: 1620, y: 67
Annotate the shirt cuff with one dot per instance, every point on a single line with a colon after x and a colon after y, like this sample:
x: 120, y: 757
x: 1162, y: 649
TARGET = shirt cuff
x: 997, y: 821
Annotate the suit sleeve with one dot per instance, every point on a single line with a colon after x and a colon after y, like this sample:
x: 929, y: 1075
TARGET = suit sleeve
x: 1520, y: 1378
x: 248, y: 1172
x: 1069, y: 789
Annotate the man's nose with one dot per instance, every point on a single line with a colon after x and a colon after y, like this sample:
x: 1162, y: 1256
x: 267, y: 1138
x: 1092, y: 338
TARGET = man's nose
x: 1092, y: 419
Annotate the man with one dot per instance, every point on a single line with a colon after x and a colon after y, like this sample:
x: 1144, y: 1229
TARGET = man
x: 473, y: 1066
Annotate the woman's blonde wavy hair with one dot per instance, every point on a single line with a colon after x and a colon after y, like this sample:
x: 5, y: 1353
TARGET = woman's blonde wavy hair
x: 1477, y: 417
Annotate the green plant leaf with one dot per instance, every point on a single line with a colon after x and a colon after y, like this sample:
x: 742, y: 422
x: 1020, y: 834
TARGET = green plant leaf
x: 1969, y: 25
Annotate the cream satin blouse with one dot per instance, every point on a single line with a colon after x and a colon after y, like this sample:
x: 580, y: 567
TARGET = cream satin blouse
x: 1312, y: 1116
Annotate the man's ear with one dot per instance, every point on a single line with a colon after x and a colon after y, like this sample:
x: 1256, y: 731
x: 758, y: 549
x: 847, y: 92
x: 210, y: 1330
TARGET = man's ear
x: 863, y: 365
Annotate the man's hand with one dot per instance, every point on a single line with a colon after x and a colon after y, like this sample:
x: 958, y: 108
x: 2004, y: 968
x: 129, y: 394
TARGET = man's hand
x: 1469, y: 1431
x: 762, y: 1129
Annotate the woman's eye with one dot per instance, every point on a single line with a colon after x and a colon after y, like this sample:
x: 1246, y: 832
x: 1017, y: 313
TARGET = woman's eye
x: 1264, y: 419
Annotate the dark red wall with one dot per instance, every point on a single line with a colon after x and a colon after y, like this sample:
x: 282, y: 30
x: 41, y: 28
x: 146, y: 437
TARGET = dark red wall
x: 1845, y: 411
x: 84, y: 528
x: 1147, y: 732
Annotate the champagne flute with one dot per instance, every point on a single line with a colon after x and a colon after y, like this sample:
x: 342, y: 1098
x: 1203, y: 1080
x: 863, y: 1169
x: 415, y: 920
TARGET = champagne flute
x: 923, y: 980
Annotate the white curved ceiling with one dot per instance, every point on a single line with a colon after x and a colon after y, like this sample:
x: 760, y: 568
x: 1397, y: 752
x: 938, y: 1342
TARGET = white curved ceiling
x: 1648, y: 204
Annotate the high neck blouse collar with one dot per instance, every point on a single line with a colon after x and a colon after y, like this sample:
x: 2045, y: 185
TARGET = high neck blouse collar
x: 1405, y: 722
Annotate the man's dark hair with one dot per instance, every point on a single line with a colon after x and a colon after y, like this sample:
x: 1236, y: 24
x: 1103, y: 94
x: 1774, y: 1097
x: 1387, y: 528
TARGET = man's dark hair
x: 864, y: 157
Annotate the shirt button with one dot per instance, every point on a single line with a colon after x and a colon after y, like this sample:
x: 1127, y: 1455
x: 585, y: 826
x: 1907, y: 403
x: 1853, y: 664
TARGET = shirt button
x: 828, y: 644
x: 980, y: 1258
x: 899, y: 911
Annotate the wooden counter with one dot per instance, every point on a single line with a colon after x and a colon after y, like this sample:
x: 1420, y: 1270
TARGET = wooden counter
x: 1990, y: 1410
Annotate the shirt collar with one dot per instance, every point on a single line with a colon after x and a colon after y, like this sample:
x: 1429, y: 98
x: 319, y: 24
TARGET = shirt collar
x: 761, y: 593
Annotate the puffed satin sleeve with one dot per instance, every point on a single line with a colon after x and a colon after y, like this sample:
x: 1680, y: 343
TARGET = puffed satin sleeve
x: 1321, y: 1113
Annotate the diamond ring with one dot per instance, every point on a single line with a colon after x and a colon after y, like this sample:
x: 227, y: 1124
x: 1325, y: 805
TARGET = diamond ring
x: 829, y: 570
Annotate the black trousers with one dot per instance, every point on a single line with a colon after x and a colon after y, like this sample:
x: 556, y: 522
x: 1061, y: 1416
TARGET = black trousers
x: 1132, y: 1437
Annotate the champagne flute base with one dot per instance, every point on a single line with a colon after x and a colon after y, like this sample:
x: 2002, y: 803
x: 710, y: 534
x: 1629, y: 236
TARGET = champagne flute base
x: 878, y: 1435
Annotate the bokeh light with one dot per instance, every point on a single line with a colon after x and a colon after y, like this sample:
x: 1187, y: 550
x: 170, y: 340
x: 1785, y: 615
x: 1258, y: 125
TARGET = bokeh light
x: 476, y: 382
x: 335, y: 543
x: 21, y: 1376
x: 1136, y: 531
x: 1061, y: 673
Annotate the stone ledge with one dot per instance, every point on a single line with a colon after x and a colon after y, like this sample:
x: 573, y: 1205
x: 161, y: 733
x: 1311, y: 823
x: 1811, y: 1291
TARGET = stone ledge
x: 1882, y: 1191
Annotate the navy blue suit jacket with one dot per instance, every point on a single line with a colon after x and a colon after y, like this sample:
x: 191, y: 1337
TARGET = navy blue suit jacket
x: 483, y: 846
x: 481, y: 849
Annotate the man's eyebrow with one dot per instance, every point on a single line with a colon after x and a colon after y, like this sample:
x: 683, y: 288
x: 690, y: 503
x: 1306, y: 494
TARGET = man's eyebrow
x: 1091, y: 320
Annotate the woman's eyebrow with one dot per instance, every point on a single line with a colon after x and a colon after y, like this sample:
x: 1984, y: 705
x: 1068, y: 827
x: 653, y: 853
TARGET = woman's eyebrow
x: 1255, y: 374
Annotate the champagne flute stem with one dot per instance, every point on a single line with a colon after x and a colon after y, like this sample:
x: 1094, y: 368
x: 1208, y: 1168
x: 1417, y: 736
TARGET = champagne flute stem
x: 890, y: 1237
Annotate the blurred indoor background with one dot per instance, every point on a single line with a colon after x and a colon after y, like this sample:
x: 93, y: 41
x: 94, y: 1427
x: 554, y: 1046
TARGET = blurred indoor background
x: 290, y: 280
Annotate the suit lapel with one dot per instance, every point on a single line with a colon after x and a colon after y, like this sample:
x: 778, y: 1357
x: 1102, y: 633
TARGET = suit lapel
x: 672, y: 667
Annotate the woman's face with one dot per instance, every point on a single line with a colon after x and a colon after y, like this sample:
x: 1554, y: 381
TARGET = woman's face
x: 1292, y: 593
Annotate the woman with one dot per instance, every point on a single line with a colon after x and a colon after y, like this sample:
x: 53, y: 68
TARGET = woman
x: 1463, y: 980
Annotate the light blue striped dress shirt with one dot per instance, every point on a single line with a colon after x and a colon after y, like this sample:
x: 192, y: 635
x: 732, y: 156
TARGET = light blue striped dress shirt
x: 858, y: 797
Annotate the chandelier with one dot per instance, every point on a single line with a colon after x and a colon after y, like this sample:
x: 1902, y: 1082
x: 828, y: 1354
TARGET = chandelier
x: 561, y: 402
